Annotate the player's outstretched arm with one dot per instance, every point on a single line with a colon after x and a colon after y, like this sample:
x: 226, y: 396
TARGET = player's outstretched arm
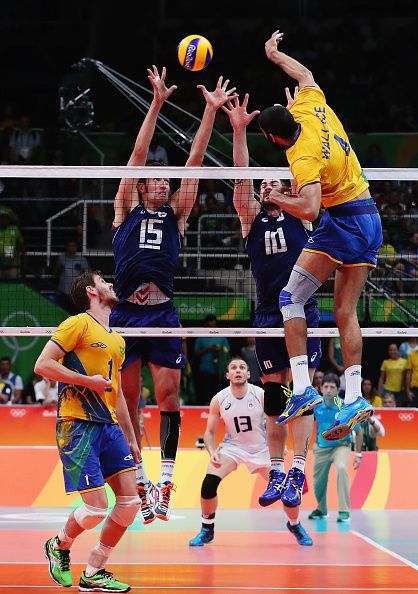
x: 289, y: 65
x: 127, y: 196
x: 211, y: 427
x: 244, y: 203
x: 183, y: 200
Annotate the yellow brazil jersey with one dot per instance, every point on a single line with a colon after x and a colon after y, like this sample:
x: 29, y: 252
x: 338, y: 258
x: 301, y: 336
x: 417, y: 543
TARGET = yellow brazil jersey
x: 322, y: 153
x: 90, y: 349
x: 412, y: 365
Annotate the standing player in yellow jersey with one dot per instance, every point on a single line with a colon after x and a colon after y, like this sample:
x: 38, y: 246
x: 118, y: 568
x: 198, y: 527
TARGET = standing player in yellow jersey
x: 95, y: 437
x: 347, y: 239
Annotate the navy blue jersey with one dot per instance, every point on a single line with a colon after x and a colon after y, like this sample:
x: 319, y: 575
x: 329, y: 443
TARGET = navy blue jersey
x: 146, y: 249
x: 273, y: 244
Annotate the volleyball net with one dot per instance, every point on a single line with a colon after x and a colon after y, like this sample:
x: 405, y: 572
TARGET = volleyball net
x: 56, y: 221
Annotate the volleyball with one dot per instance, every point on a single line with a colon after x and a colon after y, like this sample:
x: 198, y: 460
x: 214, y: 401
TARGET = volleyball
x: 194, y: 52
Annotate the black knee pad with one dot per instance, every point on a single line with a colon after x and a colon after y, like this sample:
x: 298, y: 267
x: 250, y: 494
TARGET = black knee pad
x: 210, y: 486
x: 275, y: 398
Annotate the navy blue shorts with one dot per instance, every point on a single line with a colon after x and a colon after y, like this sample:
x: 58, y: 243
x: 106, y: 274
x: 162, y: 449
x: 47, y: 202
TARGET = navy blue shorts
x: 271, y: 353
x: 91, y: 453
x: 348, y: 238
x: 166, y: 352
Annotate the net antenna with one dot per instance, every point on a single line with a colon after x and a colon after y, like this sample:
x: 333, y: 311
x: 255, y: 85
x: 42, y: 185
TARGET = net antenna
x: 140, y: 97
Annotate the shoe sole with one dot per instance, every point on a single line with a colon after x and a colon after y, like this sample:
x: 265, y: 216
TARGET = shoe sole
x: 98, y: 589
x: 54, y: 579
x: 148, y: 520
x: 318, y: 517
x: 163, y: 518
x: 344, y: 430
x: 300, y: 411
x: 266, y: 503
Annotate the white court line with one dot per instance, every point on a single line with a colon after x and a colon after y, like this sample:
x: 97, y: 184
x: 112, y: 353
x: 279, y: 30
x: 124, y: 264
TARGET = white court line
x: 385, y: 550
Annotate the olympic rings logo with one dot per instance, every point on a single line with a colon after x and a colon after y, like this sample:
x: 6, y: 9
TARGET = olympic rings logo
x: 18, y: 412
x: 406, y: 417
x: 14, y: 344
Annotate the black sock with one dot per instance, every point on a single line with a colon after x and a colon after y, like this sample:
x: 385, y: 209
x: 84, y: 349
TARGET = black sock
x: 169, y: 434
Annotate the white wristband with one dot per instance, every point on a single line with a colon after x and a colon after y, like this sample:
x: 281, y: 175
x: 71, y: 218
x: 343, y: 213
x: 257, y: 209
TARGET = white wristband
x: 359, y: 455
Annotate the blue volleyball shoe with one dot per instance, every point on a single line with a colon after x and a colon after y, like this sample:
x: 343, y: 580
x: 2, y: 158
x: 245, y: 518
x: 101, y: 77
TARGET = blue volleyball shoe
x: 274, y: 488
x: 300, y: 534
x: 292, y: 492
x: 347, y: 418
x: 205, y: 536
x: 298, y: 404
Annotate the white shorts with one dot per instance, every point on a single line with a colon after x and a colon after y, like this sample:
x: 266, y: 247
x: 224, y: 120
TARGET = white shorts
x: 253, y: 461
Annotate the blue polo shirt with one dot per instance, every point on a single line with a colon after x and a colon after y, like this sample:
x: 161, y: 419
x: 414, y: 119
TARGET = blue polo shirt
x: 324, y: 417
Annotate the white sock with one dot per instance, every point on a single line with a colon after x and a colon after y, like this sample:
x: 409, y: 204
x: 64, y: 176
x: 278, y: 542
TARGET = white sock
x: 141, y: 475
x: 167, y: 470
x: 352, y: 383
x: 299, y: 462
x: 98, y: 557
x: 277, y: 464
x: 294, y: 522
x: 300, y: 373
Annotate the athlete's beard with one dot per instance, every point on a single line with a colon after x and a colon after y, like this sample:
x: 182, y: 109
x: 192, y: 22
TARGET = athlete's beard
x: 269, y: 206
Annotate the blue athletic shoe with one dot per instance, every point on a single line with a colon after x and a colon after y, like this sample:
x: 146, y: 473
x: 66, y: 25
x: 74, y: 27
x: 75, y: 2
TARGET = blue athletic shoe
x: 292, y: 492
x: 300, y: 534
x: 204, y: 537
x: 347, y: 418
x: 274, y: 489
x: 298, y: 404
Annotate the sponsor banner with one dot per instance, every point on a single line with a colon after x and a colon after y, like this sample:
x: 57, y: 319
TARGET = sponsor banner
x: 34, y: 478
x: 224, y: 308
x: 35, y: 425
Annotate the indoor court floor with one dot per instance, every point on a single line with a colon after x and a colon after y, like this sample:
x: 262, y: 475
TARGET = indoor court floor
x: 252, y: 552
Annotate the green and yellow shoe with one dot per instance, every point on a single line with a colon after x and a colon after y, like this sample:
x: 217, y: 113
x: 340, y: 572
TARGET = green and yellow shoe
x: 102, y: 581
x: 59, y: 564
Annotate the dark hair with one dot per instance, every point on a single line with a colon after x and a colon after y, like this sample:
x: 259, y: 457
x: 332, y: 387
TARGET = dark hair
x: 6, y: 358
x: 332, y: 378
x: 78, y: 288
x: 277, y: 120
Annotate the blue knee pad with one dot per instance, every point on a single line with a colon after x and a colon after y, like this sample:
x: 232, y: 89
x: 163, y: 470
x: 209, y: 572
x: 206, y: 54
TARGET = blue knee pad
x: 300, y: 287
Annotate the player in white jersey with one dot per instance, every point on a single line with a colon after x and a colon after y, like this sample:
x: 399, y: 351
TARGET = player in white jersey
x: 241, y: 407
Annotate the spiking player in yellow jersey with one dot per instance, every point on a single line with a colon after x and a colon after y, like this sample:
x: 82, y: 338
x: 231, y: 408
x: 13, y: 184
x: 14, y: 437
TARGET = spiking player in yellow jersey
x: 347, y: 239
x: 95, y: 437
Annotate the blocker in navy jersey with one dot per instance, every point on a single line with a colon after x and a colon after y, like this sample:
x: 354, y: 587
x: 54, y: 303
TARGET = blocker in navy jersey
x: 146, y: 249
x: 273, y: 244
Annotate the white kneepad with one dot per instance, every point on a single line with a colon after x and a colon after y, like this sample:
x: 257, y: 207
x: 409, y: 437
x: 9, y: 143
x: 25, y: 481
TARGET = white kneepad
x: 88, y: 516
x: 125, y: 510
